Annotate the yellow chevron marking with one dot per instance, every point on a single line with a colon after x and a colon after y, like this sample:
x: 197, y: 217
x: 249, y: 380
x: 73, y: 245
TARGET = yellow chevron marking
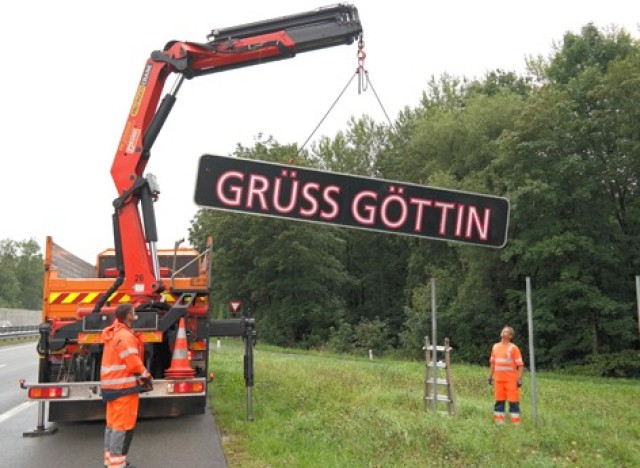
x: 125, y: 298
x: 112, y: 296
x: 168, y: 297
x: 53, y: 297
x: 70, y: 298
x: 89, y: 298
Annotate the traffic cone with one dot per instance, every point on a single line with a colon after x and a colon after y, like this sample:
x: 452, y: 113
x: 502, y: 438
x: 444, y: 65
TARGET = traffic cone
x: 180, y: 367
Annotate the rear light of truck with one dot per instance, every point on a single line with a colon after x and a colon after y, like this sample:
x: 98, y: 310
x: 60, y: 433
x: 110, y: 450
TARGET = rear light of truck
x: 196, y: 355
x: 200, y: 345
x: 42, y: 393
x: 185, y: 387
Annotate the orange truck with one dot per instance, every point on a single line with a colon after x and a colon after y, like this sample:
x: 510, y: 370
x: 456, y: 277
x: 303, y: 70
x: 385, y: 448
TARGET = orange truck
x: 70, y: 346
x: 164, y: 286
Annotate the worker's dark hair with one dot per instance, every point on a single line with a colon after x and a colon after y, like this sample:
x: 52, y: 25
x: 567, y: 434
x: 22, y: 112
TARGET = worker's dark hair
x: 122, y: 311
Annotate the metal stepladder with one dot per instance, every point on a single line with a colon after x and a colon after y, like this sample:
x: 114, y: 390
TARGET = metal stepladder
x: 438, y: 376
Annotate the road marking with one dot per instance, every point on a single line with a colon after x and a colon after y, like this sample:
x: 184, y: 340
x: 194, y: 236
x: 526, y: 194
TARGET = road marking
x: 2, y: 365
x: 16, y: 410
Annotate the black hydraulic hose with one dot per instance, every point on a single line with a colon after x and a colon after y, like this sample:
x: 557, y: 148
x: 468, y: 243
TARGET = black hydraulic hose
x: 156, y: 124
x: 103, y: 299
x: 148, y: 215
x: 119, y: 265
x: 117, y: 242
x: 43, y: 343
x: 153, y: 305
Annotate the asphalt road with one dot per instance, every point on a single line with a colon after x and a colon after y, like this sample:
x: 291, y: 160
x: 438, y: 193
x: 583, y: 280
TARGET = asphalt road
x: 189, y: 441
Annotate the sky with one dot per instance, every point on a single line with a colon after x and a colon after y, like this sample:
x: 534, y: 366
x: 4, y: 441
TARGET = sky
x: 71, y: 68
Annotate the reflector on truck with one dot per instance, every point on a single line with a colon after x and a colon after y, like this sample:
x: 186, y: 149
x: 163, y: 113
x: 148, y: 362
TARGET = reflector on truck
x: 185, y: 387
x: 42, y: 393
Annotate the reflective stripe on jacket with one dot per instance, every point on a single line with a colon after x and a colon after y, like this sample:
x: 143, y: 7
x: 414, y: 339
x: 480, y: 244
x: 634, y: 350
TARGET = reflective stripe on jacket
x: 121, y: 362
x: 506, y: 358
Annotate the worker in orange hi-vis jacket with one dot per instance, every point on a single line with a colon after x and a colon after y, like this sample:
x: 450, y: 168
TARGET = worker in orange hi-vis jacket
x: 506, y: 372
x: 122, y: 377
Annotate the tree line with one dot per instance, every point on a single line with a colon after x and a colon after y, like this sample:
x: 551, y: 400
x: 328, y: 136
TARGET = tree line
x: 561, y: 142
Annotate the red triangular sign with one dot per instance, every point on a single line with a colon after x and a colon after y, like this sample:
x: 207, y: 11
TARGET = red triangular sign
x: 235, y: 306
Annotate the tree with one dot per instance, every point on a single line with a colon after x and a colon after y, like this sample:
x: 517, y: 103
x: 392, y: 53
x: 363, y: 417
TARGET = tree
x: 560, y: 143
x: 374, y: 263
x: 289, y: 273
x: 21, y: 267
x: 570, y: 173
x: 452, y: 143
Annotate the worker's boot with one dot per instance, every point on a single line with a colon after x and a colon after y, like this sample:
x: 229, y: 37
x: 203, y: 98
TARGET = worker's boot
x: 128, y: 465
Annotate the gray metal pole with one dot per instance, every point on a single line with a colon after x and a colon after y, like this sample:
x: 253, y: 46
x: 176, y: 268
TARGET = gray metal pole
x: 434, y: 343
x: 638, y: 299
x: 532, y: 358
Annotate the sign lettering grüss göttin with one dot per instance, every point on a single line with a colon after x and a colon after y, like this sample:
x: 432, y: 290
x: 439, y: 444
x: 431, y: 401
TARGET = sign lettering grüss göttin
x: 291, y: 192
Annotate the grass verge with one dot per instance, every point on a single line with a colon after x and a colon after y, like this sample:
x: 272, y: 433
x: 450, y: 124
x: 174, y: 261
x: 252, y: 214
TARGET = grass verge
x: 323, y: 410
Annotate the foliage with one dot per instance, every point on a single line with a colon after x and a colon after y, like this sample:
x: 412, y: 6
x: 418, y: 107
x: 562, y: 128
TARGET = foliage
x: 341, y: 338
x: 560, y: 143
x: 571, y: 174
x: 21, y: 267
x: 372, y: 335
x: 624, y: 364
x: 289, y: 275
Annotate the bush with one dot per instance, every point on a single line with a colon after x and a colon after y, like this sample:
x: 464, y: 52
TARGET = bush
x: 625, y: 364
x: 372, y: 334
x: 341, y: 339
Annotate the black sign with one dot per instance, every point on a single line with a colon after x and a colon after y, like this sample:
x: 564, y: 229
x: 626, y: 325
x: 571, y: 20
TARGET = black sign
x: 291, y: 192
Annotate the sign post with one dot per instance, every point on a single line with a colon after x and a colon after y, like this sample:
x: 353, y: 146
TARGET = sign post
x: 532, y: 355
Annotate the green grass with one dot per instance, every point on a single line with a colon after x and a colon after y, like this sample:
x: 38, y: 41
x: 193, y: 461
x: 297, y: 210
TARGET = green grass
x: 322, y: 410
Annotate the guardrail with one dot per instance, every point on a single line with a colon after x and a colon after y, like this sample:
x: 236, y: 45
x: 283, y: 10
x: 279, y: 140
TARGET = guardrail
x: 12, y: 333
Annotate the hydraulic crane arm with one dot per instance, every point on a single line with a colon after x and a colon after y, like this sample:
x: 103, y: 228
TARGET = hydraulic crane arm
x: 228, y: 48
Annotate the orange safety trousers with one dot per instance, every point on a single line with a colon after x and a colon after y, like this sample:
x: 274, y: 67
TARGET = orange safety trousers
x: 122, y: 414
x: 506, y: 390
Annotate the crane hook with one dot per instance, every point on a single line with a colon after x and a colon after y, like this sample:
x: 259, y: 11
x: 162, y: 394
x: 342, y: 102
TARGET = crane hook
x: 361, y: 71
